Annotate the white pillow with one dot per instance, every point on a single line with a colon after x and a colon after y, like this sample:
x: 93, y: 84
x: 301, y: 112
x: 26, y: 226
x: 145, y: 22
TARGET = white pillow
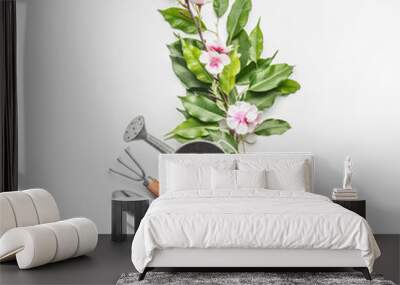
x: 225, y: 179
x: 282, y: 174
x: 251, y: 178
x: 288, y: 179
x: 192, y: 175
x: 181, y: 177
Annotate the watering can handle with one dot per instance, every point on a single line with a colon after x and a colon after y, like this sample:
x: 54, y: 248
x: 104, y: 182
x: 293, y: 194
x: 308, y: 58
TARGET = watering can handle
x: 158, y: 144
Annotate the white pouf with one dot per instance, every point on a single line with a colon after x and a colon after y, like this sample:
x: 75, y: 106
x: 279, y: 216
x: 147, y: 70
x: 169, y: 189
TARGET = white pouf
x: 31, y: 232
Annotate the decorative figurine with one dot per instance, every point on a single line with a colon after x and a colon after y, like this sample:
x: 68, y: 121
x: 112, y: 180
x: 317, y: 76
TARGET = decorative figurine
x: 348, y: 173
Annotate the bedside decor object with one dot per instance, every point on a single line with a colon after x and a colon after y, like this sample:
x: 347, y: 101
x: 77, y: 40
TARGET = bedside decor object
x: 126, y: 201
x: 32, y: 233
x: 344, y: 194
x: 347, y: 192
x: 356, y: 206
x: 228, y: 83
x: 348, y: 173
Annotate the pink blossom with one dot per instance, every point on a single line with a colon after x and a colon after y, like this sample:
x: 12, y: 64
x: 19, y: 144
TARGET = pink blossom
x: 214, y: 61
x: 243, y: 117
x: 218, y: 47
x: 198, y: 2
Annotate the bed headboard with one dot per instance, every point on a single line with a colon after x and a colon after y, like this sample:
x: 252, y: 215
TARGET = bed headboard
x: 164, y: 158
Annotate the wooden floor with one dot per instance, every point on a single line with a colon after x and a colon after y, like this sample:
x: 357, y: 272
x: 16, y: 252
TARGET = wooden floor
x: 110, y: 260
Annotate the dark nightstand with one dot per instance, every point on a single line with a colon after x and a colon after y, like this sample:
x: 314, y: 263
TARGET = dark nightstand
x: 357, y: 206
x: 126, y: 201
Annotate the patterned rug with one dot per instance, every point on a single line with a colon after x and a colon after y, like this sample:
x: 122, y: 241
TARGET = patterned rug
x: 244, y: 278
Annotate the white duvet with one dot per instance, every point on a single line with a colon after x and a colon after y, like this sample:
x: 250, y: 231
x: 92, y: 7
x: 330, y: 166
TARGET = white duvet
x: 250, y: 219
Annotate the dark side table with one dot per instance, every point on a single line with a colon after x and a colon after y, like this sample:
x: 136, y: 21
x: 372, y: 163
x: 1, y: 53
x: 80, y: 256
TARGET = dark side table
x: 357, y: 206
x: 124, y: 201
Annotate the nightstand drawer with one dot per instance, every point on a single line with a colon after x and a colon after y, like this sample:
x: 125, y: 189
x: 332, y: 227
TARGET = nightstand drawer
x: 357, y: 206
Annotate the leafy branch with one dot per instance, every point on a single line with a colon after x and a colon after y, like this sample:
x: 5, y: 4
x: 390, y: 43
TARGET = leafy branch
x: 187, y: 4
x: 228, y: 85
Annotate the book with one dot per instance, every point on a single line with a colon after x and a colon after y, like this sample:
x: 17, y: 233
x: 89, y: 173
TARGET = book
x: 340, y: 190
x: 344, y: 197
x: 345, y: 194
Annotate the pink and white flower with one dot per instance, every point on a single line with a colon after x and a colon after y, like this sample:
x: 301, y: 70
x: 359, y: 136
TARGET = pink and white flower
x: 243, y: 117
x: 198, y: 2
x: 218, y: 47
x: 214, y: 61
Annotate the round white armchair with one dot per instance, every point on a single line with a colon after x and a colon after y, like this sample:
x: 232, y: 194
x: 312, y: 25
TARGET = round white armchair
x: 31, y: 231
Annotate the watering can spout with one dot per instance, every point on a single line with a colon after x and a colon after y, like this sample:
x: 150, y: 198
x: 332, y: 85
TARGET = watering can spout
x: 136, y: 130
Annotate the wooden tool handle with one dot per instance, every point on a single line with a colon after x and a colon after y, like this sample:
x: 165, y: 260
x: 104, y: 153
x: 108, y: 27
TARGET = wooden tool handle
x: 154, y: 187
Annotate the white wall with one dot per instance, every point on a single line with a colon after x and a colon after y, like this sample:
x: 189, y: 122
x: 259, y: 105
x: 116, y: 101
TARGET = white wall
x: 88, y: 67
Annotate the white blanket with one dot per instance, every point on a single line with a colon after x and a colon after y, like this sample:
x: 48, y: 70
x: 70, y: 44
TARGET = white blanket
x: 250, y: 218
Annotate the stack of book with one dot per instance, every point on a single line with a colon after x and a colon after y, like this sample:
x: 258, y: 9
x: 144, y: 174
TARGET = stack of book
x: 344, y: 194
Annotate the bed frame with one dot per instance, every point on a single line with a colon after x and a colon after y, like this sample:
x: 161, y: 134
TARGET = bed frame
x: 245, y: 259
x: 234, y: 259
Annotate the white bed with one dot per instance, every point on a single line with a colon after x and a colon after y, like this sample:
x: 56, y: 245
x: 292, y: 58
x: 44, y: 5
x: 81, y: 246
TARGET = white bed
x: 249, y: 227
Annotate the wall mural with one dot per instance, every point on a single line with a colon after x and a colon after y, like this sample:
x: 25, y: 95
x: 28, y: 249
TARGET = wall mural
x: 136, y: 130
x: 229, y: 85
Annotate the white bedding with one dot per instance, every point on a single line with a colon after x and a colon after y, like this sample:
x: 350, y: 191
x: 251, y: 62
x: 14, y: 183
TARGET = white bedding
x: 252, y: 218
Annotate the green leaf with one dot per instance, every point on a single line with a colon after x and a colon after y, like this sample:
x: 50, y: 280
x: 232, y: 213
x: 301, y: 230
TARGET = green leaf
x: 192, y: 55
x: 194, y: 92
x: 180, y: 19
x: 270, y: 78
x: 257, y: 43
x: 225, y: 140
x: 237, y: 18
x: 272, y: 127
x: 228, y: 75
x: 178, y: 138
x: 184, y: 113
x: 202, y: 108
x: 215, y: 91
x: 261, y: 100
x: 175, y: 48
x: 264, y: 63
x: 287, y: 87
x: 179, y: 65
x: 220, y: 7
x: 233, y: 96
x: 264, y: 100
x: 185, y: 75
x: 193, y: 128
x: 244, y: 76
x: 242, y: 43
